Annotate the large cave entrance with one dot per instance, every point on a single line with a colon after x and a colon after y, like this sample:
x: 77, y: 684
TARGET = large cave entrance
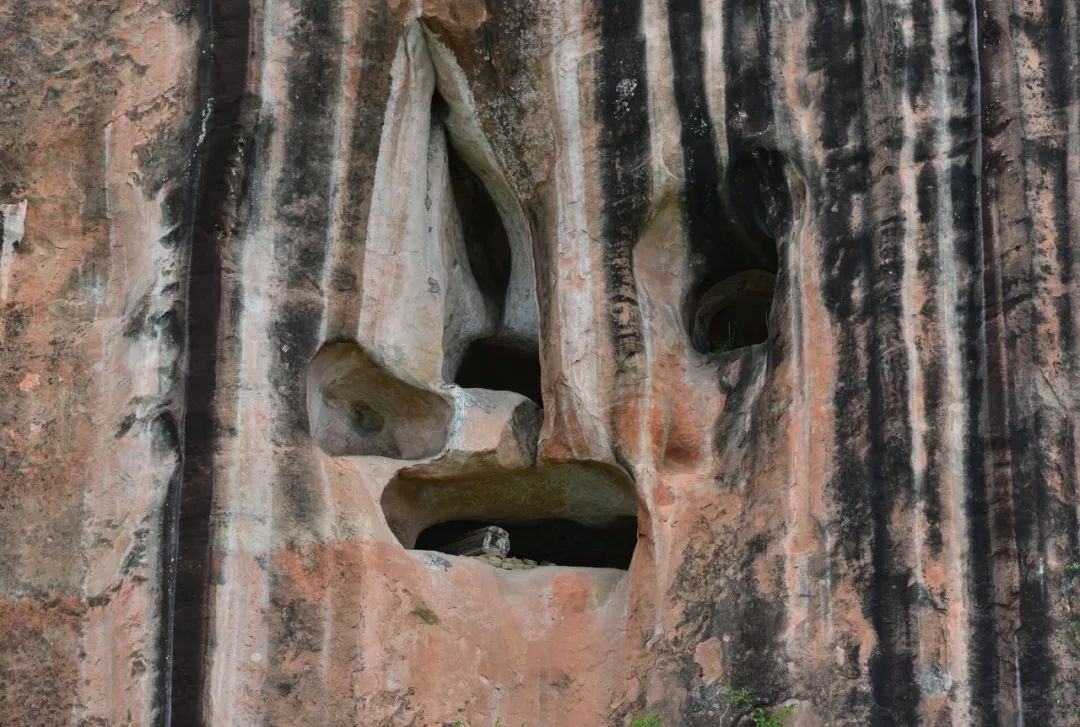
x: 569, y: 514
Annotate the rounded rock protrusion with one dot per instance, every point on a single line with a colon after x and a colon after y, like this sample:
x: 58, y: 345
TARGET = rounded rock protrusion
x: 355, y: 408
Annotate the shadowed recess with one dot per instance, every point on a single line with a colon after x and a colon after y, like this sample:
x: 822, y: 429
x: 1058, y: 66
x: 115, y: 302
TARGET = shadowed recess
x: 355, y: 408
x: 592, y: 495
x: 499, y: 362
x: 554, y: 541
x: 487, y: 244
x: 491, y: 364
x: 739, y: 268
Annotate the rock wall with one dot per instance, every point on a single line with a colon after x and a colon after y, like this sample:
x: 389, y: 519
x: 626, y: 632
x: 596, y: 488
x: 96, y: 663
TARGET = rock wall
x: 786, y: 288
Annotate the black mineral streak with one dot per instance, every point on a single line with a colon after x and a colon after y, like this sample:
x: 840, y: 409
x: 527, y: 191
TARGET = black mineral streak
x: 623, y: 112
x: 186, y: 520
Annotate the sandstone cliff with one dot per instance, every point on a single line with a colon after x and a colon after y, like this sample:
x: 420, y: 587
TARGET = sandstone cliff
x: 750, y: 322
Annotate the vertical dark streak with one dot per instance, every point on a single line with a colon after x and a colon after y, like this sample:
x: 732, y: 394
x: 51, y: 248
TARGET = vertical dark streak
x: 302, y: 217
x: 372, y: 89
x: 302, y: 192
x: 1057, y: 519
x: 712, y: 234
x: 983, y: 653
x: 1031, y: 515
x: 890, y: 599
x: 921, y: 88
x: 623, y: 112
x: 873, y: 477
x: 1031, y: 421
x: 186, y: 521
x: 1069, y: 474
x: 703, y: 211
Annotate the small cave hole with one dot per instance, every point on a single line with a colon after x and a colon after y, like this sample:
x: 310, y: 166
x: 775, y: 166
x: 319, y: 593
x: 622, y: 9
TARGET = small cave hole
x: 734, y: 312
x: 555, y: 541
x: 493, y: 364
x: 737, y: 276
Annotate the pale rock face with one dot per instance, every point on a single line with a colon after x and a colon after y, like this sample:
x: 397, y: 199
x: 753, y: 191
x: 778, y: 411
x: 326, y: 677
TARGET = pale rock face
x: 750, y: 323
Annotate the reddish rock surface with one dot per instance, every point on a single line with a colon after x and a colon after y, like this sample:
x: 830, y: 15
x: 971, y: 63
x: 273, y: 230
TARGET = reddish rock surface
x: 284, y: 284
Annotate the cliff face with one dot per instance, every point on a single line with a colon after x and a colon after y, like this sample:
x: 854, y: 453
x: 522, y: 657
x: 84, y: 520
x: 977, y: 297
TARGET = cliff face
x: 756, y: 319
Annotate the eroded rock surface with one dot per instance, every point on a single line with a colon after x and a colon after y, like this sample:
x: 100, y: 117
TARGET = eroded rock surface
x: 780, y: 291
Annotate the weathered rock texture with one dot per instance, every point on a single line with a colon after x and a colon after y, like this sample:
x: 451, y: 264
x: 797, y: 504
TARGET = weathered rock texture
x: 284, y: 283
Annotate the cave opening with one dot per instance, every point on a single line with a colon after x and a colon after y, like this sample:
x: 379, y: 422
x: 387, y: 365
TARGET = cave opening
x: 500, y: 361
x: 553, y: 541
x: 569, y: 513
x: 493, y: 364
x: 732, y: 303
x: 733, y: 312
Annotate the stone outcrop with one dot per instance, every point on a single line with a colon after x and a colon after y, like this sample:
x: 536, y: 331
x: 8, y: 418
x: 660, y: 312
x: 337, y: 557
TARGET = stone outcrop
x: 750, y: 323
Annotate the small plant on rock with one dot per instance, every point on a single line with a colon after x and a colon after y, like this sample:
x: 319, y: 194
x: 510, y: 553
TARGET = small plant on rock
x: 773, y: 718
x: 723, y: 346
x: 743, y: 701
x: 648, y: 720
x: 1068, y: 635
